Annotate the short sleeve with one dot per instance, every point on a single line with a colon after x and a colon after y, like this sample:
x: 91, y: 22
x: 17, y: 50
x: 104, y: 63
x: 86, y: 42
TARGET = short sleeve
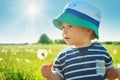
x: 108, y: 61
x: 58, y: 65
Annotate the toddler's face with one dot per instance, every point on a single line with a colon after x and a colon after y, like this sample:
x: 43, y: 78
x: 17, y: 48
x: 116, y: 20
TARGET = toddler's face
x: 73, y: 35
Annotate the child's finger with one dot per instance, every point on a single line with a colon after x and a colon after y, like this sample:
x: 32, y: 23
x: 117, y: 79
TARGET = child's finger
x: 50, y: 65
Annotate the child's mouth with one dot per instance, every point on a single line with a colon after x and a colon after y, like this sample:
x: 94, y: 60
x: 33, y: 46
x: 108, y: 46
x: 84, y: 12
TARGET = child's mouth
x: 66, y: 38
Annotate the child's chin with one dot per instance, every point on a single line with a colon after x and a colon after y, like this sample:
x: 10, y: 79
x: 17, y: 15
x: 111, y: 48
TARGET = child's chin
x: 69, y: 43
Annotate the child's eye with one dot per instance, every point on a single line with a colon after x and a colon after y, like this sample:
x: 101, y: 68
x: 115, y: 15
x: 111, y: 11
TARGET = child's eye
x: 63, y: 27
x: 70, y: 26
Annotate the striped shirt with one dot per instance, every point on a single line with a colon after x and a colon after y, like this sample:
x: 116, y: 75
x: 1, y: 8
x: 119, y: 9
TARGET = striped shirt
x: 88, y: 63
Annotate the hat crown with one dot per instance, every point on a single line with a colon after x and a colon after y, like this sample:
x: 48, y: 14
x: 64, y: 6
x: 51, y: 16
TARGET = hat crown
x: 81, y: 14
x: 84, y: 8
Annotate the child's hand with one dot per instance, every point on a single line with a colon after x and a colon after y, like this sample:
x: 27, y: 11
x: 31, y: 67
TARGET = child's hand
x: 46, y: 70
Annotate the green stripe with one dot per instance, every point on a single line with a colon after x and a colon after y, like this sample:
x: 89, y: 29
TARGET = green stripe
x: 74, y: 20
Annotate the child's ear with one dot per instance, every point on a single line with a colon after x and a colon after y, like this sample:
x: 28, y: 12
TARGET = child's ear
x: 88, y: 30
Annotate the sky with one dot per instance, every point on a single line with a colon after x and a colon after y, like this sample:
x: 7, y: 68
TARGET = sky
x: 23, y: 21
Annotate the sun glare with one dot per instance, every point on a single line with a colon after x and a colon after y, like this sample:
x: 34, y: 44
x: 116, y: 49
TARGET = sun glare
x: 32, y: 10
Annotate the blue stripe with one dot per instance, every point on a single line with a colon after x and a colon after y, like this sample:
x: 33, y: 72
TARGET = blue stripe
x: 83, y: 16
x: 81, y: 66
x: 80, y: 74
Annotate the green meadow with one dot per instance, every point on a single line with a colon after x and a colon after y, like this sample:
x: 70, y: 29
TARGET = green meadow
x: 23, y: 62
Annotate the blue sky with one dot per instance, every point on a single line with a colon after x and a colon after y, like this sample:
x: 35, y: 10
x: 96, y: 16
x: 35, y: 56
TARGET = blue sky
x: 25, y: 20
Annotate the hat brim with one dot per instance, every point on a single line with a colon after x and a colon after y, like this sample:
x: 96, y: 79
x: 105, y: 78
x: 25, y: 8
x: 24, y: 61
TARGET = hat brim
x: 74, y: 20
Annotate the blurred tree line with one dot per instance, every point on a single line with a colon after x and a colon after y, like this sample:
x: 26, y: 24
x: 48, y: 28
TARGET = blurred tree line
x: 111, y: 42
x: 44, y: 39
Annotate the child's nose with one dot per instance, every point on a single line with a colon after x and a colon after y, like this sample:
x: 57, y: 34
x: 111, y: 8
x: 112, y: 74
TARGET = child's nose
x: 65, y: 30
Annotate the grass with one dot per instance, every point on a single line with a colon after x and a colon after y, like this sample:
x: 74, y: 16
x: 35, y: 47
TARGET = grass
x: 20, y: 62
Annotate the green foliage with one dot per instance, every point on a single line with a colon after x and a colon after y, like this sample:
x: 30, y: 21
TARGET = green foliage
x: 111, y: 43
x: 20, y: 62
x: 44, y: 39
x: 59, y: 41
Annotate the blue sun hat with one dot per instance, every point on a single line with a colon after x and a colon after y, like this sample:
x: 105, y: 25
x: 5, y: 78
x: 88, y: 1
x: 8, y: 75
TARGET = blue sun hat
x: 81, y: 14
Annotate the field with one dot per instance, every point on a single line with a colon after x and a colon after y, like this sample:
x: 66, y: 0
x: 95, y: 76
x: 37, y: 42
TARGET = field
x: 23, y: 62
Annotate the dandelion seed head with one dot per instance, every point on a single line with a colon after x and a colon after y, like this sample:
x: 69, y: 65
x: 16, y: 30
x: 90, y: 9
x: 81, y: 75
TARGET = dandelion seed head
x: 118, y: 65
x: 114, y: 51
x: 42, y: 53
x: 15, y: 53
x: 17, y: 59
x: 1, y: 59
x: 4, y: 51
x: 27, y: 60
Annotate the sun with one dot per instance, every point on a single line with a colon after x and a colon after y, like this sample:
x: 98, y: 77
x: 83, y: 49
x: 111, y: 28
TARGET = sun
x: 32, y: 10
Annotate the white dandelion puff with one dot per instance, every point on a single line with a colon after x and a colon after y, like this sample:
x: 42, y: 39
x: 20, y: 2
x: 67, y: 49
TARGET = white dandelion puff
x: 4, y: 51
x: 114, y: 51
x: 42, y: 53
x: 1, y: 59
x: 15, y: 53
x: 27, y: 60
x: 118, y: 65
x: 17, y: 59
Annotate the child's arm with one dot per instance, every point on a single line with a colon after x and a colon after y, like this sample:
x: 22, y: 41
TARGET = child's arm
x: 48, y: 74
x: 112, y: 74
